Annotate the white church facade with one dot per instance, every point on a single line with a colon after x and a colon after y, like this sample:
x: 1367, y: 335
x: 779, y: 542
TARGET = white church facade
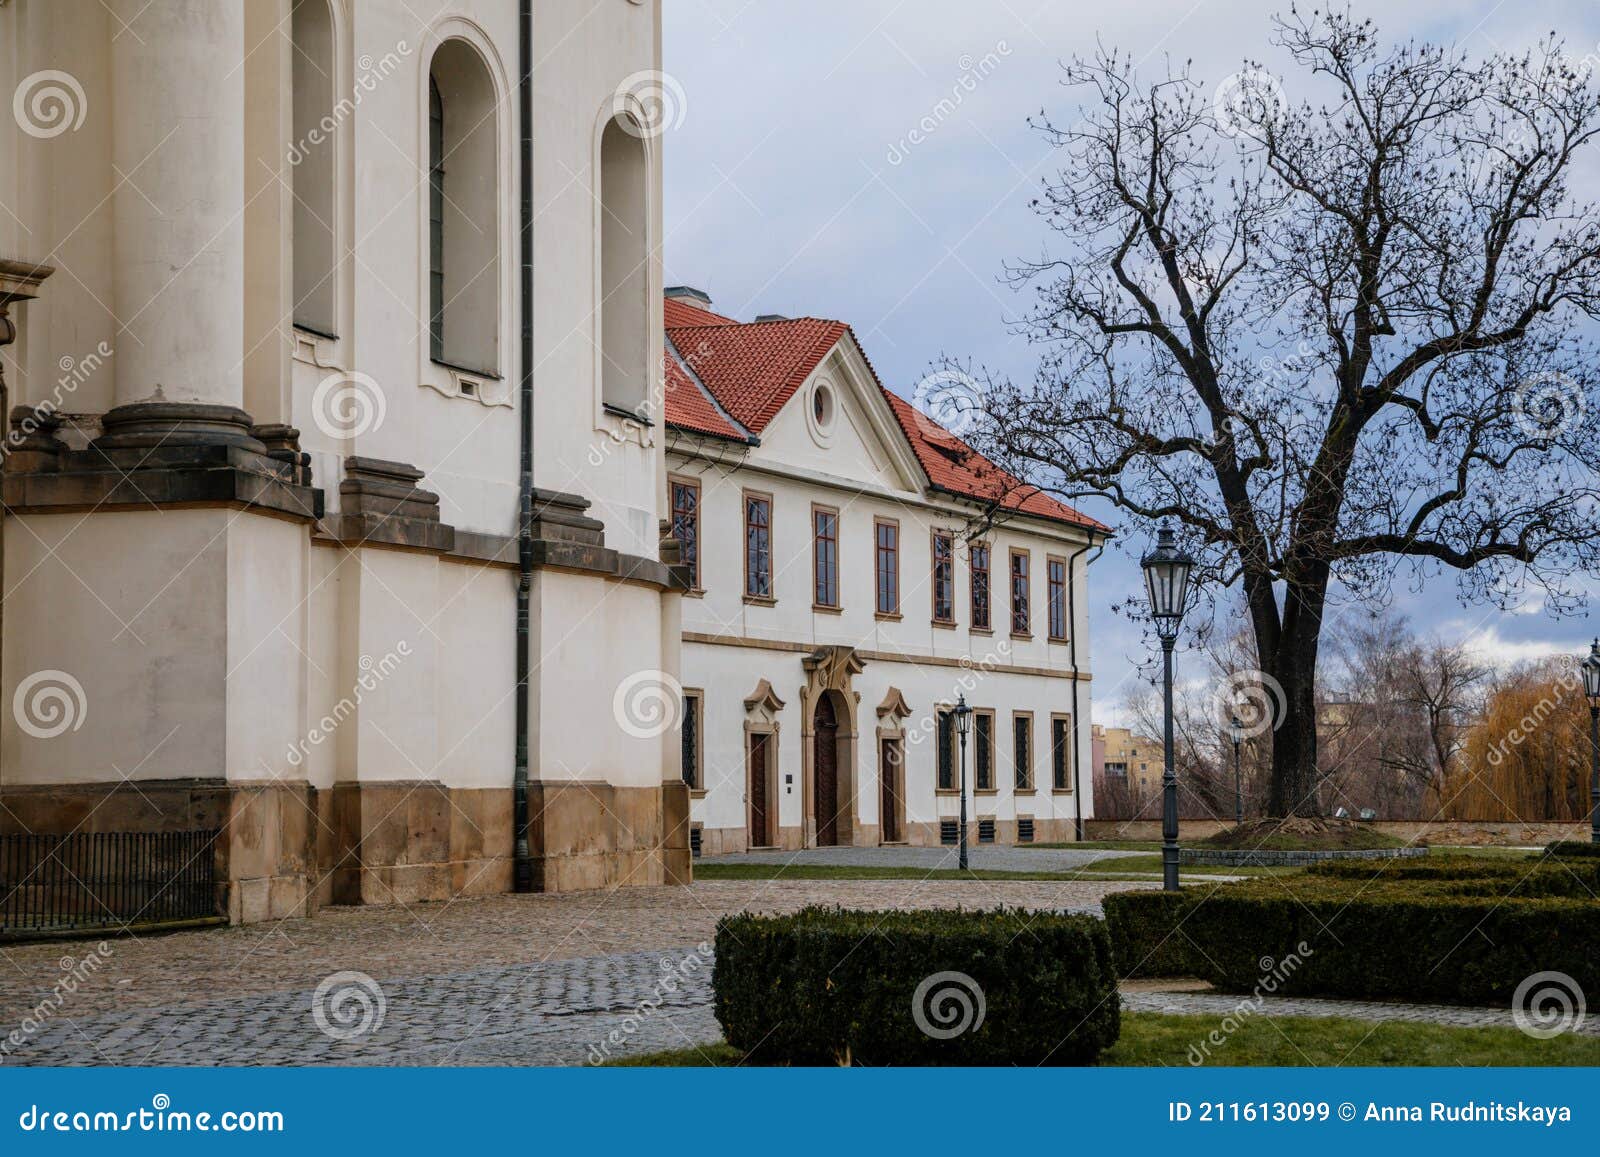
x: 333, y: 517
x: 857, y: 571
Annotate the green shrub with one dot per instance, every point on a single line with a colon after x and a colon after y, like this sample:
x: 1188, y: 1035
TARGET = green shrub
x: 1470, y: 940
x: 1148, y: 937
x: 1424, y: 868
x: 1573, y: 849
x: 826, y: 986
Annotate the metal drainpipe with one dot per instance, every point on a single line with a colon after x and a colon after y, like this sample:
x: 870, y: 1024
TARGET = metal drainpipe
x: 1072, y: 617
x: 522, y: 856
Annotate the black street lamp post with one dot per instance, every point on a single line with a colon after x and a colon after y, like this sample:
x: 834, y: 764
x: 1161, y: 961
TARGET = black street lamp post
x: 963, y: 723
x: 1166, y: 579
x: 1236, y: 729
x: 1591, y: 688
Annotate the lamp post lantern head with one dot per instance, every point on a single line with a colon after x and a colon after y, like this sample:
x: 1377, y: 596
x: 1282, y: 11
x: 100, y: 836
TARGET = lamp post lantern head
x: 1166, y: 580
x: 963, y: 715
x: 1591, y: 674
x: 1236, y: 731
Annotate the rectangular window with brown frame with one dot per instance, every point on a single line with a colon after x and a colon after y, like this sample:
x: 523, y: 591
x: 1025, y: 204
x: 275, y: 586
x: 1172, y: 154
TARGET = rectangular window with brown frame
x: 1056, y: 597
x: 757, y: 546
x: 983, y: 750
x: 979, y: 558
x: 825, y: 557
x: 886, y: 536
x: 693, y: 718
x: 1022, y: 749
x: 1061, y: 752
x: 1020, y: 618
x: 686, y: 525
x: 945, y: 734
x: 944, y: 577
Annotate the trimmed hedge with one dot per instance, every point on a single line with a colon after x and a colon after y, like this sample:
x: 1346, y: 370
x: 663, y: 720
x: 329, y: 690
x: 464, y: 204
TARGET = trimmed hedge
x: 826, y: 986
x: 1573, y: 849
x: 1470, y: 940
x: 1147, y: 933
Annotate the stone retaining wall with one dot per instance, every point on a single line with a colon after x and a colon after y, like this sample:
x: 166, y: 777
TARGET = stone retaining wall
x: 1263, y: 858
x: 1475, y: 833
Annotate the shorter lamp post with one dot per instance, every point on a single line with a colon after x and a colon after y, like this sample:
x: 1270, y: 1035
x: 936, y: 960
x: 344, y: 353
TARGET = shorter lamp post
x: 963, y: 723
x: 1591, y: 688
x: 1236, y: 730
x: 1166, y: 579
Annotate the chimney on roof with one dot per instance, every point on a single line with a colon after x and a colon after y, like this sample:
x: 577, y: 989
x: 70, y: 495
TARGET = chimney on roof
x: 689, y: 295
x: 771, y: 317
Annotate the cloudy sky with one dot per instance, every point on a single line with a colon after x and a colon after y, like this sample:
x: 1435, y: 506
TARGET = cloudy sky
x: 793, y: 186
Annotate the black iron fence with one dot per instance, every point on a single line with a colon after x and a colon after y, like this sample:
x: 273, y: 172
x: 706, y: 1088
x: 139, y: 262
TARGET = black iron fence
x: 104, y: 880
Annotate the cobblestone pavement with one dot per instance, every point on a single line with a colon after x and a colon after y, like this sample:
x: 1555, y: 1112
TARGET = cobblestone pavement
x: 1220, y: 1004
x: 497, y: 980
x: 987, y: 858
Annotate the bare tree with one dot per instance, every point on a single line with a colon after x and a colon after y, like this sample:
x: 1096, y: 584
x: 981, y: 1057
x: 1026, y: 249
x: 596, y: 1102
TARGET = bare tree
x: 1324, y: 339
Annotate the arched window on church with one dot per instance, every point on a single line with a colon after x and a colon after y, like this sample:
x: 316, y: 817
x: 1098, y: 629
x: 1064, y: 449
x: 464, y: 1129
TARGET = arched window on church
x: 624, y: 267
x: 463, y: 231
x: 312, y: 166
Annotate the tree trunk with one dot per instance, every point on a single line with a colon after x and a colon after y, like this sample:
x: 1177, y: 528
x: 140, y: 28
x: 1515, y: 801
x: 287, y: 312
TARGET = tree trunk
x: 1294, y: 747
x: 1293, y: 664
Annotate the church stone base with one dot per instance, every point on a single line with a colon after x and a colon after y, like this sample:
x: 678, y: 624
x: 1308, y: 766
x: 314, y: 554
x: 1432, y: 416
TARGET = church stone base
x: 287, y: 848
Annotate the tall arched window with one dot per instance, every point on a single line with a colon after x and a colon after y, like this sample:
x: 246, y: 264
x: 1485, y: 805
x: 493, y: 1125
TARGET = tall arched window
x: 311, y: 167
x: 463, y: 206
x: 624, y: 267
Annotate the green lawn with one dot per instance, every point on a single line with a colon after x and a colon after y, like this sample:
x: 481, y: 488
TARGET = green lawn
x: 1158, y: 1039
x: 1126, y: 868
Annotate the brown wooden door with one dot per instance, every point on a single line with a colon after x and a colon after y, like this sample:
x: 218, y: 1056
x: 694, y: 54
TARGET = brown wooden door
x: 826, y: 768
x: 760, y: 830
x: 889, y: 790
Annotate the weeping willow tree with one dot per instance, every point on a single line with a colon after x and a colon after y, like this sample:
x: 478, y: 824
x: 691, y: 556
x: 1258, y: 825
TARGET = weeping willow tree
x: 1527, y: 758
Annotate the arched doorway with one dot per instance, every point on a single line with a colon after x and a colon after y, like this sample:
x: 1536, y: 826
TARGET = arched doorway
x: 829, y: 775
x: 825, y: 771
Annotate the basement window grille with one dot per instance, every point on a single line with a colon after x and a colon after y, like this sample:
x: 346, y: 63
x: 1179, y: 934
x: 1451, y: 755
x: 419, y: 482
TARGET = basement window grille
x: 986, y: 831
x: 105, y: 881
x: 949, y: 831
x: 694, y: 841
x: 1025, y: 831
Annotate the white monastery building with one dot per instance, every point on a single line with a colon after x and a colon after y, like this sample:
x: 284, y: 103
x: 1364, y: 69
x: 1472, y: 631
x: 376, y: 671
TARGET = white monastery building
x: 349, y: 552
x: 857, y: 572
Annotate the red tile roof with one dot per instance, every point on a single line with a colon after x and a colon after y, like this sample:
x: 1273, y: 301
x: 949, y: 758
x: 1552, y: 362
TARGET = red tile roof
x: 689, y: 406
x: 750, y: 370
x: 681, y: 313
x: 953, y: 466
